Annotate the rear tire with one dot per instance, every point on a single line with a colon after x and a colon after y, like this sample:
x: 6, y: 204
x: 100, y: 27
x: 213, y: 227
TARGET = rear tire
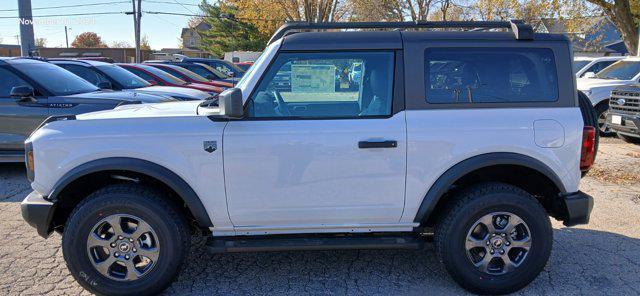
x: 463, y: 242
x: 144, y: 260
x: 628, y: 139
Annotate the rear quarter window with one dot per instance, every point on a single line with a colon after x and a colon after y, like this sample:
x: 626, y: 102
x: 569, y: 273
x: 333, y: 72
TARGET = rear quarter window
x: 490, y: 75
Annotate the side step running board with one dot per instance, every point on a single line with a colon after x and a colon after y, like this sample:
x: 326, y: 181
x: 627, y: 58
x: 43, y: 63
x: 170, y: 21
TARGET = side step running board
x: 309, y: 243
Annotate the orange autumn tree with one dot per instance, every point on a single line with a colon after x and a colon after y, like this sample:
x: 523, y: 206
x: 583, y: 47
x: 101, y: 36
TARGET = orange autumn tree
x: 88, y: 40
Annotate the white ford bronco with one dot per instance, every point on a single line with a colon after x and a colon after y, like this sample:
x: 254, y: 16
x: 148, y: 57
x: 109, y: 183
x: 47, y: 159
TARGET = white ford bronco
x: 472, y: 138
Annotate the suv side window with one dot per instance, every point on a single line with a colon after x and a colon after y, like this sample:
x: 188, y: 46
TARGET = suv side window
x: 86, y: 73
x: 490, y: 75
x: 326, y: 85
x: 9, y: 81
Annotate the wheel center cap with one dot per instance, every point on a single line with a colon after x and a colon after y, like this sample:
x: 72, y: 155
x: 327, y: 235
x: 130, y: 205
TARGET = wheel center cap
x: 497, y: 242
x: 124, y: 247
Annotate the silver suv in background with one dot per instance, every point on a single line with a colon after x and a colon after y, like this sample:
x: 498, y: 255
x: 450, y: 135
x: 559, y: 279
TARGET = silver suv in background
x: 32, y: 90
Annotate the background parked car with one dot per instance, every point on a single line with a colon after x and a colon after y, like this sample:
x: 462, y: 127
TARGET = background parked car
x: 100, y: 73
x: 598, y: 88
x: 226, y: 67
x: 593, y: 65
x: 203, y: 70
x: 156, y: 76
x: 32, y: 90
x: 190, y: 76
x: 623, y: 116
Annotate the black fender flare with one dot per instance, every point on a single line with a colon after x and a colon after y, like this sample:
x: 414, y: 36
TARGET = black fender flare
x: 162, y: 174
x: 444, y: 182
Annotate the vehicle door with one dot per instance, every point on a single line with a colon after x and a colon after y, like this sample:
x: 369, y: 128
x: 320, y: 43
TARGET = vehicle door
x: 327, y: 151
x: 18, y: 116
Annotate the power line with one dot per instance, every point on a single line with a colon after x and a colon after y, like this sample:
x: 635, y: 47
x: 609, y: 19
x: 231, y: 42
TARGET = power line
x: 176, y: 1
x: 203, y: 16
x: 71, y: 6
x: 70, y: 14
x: 172, y: 3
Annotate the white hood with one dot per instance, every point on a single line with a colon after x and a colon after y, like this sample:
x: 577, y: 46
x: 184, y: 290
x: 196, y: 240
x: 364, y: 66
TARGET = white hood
x: 183, y: 108
x: 590, y: 83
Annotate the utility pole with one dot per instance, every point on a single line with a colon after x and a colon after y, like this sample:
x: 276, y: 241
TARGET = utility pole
x: 138, y: 26
x: 27, y: 41
x: 137, y: 15
x: 638, y: 50
x: 66, y: 36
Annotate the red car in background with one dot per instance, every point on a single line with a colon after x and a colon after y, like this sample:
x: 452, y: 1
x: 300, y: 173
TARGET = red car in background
x: 156, y: 76
x: 244, y: 65
x: 189, y: 76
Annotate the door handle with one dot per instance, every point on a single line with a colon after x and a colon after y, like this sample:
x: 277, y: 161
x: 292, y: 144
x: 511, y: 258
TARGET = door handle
x: 377, y: 144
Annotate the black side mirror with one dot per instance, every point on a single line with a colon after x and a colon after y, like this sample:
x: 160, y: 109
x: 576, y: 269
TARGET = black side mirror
x: 22, y: 92
x: 230, y: 103
x: 105, y: 85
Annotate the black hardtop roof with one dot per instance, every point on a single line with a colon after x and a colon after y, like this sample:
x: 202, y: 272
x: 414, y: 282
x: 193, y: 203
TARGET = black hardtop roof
x: 343, y: 40
x: 390, y: 35
x: 362, y: 40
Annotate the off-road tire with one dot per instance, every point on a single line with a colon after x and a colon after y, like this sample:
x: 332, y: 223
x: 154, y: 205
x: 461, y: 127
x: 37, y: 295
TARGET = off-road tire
x: 130, y: 199
x: 466, y: 208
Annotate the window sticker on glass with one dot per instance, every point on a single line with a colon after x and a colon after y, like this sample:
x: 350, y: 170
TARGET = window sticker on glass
x: 313, y: 78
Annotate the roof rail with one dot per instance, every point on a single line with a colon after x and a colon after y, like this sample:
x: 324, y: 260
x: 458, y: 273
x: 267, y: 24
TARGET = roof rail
x: 520, y: 29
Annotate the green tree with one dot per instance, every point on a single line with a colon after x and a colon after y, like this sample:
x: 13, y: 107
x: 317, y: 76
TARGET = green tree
x: 228, y: 33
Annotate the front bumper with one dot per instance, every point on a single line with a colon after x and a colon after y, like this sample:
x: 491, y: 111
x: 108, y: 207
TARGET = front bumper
x: 578, y: 206
x: 38, y: 212
x: 630, y: 125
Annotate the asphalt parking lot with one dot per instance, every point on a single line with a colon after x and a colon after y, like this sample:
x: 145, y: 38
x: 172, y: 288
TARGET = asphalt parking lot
x: 596, y: 259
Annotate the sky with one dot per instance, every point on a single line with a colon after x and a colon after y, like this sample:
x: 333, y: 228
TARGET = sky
x: 162, y: 30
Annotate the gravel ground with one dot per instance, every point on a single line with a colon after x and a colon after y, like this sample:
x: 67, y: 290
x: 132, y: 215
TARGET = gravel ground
x: 602, y: 258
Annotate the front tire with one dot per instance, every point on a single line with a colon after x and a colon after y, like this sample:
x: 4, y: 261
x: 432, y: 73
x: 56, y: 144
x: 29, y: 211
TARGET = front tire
x: 494, y: 238
x: 125, y: 239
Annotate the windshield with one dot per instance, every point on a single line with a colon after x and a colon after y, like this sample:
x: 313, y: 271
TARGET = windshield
x: 244, y: 67
x: 163, y: 75
x: 234, y: 67
x: 182, y: 72
x: 56, y: 80
x: 621, y: 70
x: 123, y: 77
x: 578, y: 65
x: 206, y: 67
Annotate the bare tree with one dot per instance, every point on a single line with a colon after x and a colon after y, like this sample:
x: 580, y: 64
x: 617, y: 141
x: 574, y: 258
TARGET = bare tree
x: 619, y: 11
